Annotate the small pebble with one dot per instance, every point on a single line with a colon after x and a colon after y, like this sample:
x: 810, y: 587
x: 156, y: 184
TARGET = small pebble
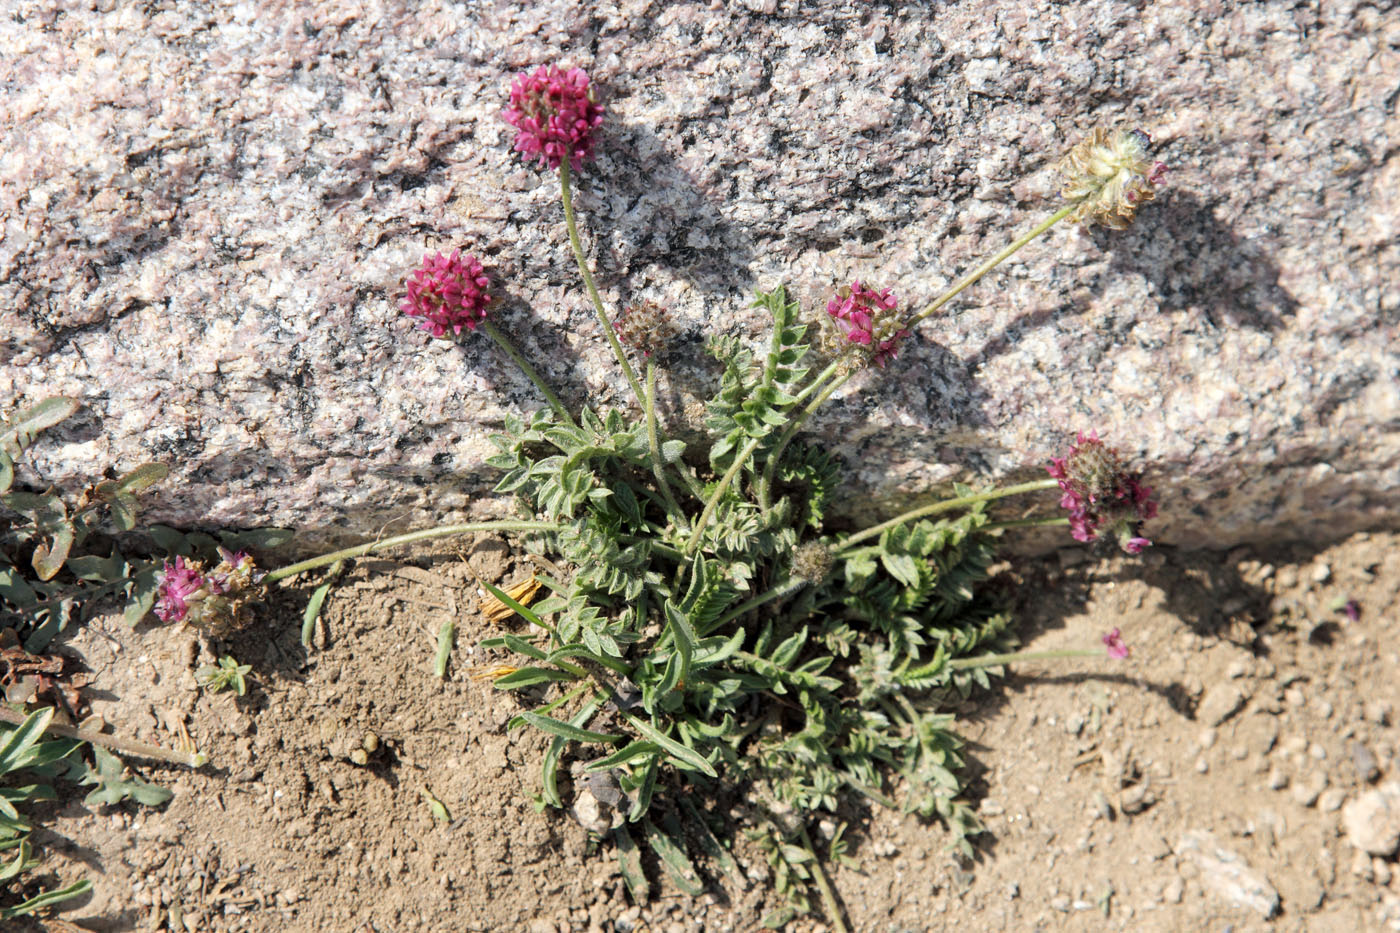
x: 1331, y: 800
x: 1365, y: 762
x: 1173, y: 891
x: 1307, y: 791
x: 1321, y: 573
x: 1060, y: 903
x: 1221, y: 701
x: 1277, y: 780
x: 1202, y: 766
x: 1317, y: 752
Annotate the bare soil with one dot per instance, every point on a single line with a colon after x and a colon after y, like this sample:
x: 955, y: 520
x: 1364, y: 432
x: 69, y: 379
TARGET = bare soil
x: 1251, y: 709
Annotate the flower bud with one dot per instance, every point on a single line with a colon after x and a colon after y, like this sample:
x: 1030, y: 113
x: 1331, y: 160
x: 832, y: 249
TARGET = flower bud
x: 1108, y: 176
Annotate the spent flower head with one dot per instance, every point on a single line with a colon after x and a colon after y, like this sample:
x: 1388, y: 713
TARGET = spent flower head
x: 645, y: 326
x: 1108, y: 176
x: 554, y: 115
x: 1101, y: 495
x: 448, y: 292
x: 867, y: 322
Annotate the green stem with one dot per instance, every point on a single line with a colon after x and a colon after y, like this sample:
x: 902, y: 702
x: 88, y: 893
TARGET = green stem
x: 997, y: 660
x: 777, y: 592
x: 1025, y: 523
x: 739, y: 460
x: 126, y: 746
x: 821, y: 377
x: 440, y: 531
x: 833, y: 910
x: 972, y: 277
x: 567, y: 192
x: 945, y: 506
x: 770, y: 469
x: 495, y: 334
x: 672, y: 505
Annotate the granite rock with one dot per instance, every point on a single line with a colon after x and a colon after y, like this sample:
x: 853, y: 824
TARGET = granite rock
x: 207, y: 212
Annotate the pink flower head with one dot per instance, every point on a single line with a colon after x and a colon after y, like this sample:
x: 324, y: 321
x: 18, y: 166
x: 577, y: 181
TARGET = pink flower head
x: 554, y: 115
x: 868, y: 319
x: 1352, y: 609
x: 1101, y: 495
x: 448, y: 292
x: 180, y: 585
x: 1116, y: 646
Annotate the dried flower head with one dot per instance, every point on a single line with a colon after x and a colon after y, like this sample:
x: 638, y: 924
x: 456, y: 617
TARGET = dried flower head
x: 812, y: 562
x: 448, y: 292
x: 1116, y: 646
x: 868, y: 321
x: 646, y: 326
x: 1101, y: 495
x: 554, y: 115
x: 1108, y: 176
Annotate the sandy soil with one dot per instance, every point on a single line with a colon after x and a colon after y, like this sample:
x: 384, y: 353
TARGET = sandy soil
x: 1181, y: 789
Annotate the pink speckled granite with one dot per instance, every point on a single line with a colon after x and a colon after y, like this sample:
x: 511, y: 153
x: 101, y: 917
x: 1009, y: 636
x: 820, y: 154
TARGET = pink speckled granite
x: 208, y: 211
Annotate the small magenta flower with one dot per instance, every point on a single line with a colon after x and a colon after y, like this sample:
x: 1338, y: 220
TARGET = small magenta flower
x: 448, y: 292
x: 554, y: 115
x: 1108, y: 176
x: 180, y: 586
x: 1351, y: 609
x: 868, y: 320
x: 1116, y: 646
x: 1101, y: 495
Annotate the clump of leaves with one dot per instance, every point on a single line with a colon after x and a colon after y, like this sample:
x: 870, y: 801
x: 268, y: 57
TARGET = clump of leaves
x: 227, y: 673
x: 58, y: 557
x: 24, y: 756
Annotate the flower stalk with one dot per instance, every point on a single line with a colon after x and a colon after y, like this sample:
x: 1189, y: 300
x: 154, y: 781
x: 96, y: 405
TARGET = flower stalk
x: 530, y: 372
x: 411, y: 537
x: 566, y: 193
x: 945, y: 505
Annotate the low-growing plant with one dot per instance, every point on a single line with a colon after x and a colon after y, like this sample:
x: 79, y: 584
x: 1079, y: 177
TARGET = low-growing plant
x: 713, y: 632
x: 223, y: 675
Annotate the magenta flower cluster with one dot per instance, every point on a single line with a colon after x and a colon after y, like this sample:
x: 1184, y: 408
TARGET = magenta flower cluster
x: 448, y: 293
x: 869, y: 319
x: 184, y: 591
x: 1101, y: 495
x: 554, y: 115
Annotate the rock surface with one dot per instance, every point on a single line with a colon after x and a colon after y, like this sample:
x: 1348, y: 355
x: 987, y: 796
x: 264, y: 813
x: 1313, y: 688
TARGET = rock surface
x: 1228, y: 875
x: 1372, y: 821
x: 208, y: 212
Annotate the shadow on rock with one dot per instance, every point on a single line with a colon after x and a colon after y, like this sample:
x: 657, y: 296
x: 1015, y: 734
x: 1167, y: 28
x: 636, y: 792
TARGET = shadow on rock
x: 651, y: 212
x: 1194, y: 261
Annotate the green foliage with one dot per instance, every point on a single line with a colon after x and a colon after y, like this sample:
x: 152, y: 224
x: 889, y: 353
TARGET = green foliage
x: 227, y: 673
x: 24, y: 753
x: 113, y: 786
x: 682, y: 660
x: 57, y: 557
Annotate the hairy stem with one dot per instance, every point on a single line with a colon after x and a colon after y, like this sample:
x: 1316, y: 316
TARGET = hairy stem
x: 657, y: 467
x: 972, y: 277
x: 411, y: 537
x: 944, y: 506
x: 829, y: 905
x: 739, y: 460
x: 127, y: 746
x: 566, y: 191
x: 495, y: 334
